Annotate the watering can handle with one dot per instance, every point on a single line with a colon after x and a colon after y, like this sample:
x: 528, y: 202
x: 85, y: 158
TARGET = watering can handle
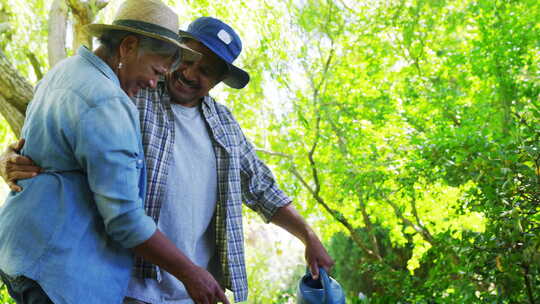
x: 325, y: 280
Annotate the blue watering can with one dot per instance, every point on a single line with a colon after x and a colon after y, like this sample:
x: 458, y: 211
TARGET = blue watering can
x: 325, y: 290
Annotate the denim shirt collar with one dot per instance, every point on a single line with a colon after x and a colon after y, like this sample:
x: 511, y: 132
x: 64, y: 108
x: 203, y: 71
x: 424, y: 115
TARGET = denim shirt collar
x: 103, y: 67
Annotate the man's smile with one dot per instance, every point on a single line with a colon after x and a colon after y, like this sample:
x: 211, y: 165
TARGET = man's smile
x: 184, y: 84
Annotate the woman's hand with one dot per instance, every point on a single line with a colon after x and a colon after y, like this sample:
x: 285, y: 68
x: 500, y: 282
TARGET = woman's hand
x: 14, y: 166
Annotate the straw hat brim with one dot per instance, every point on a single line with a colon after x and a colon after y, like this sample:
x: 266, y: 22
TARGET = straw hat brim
x: 98, y: 29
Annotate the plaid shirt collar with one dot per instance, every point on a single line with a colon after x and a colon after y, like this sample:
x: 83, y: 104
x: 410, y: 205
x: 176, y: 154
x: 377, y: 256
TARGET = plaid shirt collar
x: 212, y: 119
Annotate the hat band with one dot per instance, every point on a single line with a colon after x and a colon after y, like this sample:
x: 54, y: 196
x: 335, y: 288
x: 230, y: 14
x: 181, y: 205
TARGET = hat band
x: 148, y: 27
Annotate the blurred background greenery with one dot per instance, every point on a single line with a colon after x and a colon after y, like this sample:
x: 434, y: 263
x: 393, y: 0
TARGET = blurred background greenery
x: 406, y: 131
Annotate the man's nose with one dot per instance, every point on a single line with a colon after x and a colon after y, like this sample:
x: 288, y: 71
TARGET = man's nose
x: 189, y: 73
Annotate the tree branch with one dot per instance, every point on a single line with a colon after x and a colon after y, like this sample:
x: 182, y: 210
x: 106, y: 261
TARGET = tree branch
x: 35, y: 64
x: 417, y: 218
x: 56, y: 43
x: 324, y: 79
x: 369, y: 226
x: 334, y: 213
x: 15, y: 93
x: 425, y: 234
x: 272, y: 153
x: 312, y: 160
x: 342, y: 144
x: 84, y: 13
x: 12, y: 115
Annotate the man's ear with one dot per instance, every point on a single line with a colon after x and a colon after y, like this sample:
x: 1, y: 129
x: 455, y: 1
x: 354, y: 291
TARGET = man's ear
x: 128, y: 46
x: 225, y: 72
x: 222, y: 77
x: 218, y: 81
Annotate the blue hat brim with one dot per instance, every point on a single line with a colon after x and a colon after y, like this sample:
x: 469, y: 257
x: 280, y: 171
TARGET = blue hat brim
x: 236, y: 77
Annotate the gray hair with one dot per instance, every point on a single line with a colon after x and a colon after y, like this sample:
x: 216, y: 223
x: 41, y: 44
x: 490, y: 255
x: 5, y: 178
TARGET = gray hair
x: 111, y: 40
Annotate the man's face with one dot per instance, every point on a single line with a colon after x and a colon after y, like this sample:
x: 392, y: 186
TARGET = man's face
x: 194, y: 79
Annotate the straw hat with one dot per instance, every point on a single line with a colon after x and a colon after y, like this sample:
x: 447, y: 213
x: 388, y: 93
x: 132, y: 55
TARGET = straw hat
x: 150, y: 18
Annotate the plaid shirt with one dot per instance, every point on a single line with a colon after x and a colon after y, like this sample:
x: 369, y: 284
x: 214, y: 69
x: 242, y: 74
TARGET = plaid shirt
x: 242, y: 176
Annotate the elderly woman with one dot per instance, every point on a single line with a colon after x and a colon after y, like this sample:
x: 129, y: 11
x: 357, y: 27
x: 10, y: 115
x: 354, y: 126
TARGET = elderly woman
x: 69, y: 236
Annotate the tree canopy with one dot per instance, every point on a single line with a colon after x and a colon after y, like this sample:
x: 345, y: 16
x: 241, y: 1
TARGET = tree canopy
x: 407, y: 131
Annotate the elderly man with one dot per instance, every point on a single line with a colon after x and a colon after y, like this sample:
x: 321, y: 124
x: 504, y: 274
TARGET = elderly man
x: 200, y: 170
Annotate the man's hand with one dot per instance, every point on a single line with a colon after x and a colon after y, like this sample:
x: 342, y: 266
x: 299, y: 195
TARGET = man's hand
x: 203, y: 288
x: 200, y: 284
x: 14, y: 166
x: 316, y: 256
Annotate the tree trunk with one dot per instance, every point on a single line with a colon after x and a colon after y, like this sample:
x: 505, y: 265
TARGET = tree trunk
x: 84, y: 13
x: 15, y: 94
x: 15, y: 91
x: 56, y: 44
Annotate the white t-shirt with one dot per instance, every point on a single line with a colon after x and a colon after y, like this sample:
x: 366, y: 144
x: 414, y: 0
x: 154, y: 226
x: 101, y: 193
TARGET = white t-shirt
x: 187, y: 212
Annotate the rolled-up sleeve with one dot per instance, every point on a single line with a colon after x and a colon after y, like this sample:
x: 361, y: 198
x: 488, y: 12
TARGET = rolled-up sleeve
x: 107, y: 147
x: 260, y: 191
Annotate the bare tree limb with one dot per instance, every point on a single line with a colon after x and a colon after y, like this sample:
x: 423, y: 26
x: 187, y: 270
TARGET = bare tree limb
x: 56, y: 44
x: 35, y: 64
x: 15, y: 93
x: 84, y: 13
x: 13, y: 116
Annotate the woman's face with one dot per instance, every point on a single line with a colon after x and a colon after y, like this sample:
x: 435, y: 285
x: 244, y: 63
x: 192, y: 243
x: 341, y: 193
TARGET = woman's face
x: 140, y: 70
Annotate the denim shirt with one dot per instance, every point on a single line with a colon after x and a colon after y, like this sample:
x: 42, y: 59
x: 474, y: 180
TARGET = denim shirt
x: 71, y: 227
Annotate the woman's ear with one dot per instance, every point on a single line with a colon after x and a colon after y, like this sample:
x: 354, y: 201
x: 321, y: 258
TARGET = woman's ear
x: 128, y: 47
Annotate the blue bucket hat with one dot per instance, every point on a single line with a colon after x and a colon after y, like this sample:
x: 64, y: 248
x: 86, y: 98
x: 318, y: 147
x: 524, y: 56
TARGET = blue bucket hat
x: 221, y: 39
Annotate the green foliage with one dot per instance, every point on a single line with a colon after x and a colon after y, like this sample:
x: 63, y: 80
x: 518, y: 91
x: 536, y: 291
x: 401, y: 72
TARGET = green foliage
x: 4, y: 296
x: 406, y: 131
x: 23, y: 35
x: 275, y: 263
x: 418, y: 118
